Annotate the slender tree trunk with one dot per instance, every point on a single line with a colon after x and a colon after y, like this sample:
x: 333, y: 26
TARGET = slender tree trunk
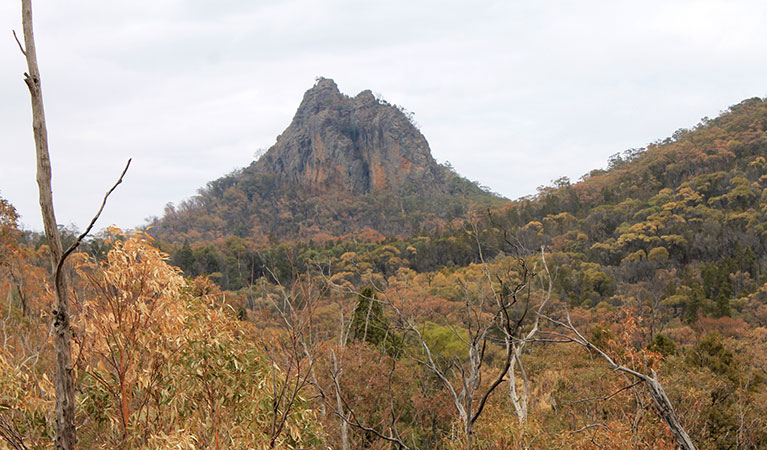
x: 666, y: 411
x: 344, y: 425
x: 66, y: 435
x: 469, y: 435
x: 124, y: 412
x: 519, y: 402
x: 340, y: 410
x: 23, y: 300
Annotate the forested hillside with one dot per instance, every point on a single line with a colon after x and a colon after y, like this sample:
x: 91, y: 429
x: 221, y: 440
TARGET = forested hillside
x: 625, y: 310
x: 686, y: 217
x: 691, y: 203
x: 345, y: 167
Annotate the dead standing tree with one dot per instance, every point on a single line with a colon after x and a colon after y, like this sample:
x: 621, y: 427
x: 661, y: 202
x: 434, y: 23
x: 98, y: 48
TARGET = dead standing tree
x: 500, y: 308
x: 517, y: 345
x: 516, y: 342
x: 660, y: 400
x: 484, y: 315
x: 66, y: 434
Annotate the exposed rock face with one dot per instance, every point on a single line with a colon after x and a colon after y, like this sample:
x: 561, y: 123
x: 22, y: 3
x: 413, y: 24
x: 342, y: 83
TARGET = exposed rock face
x: 344, y: 167
x: 358, y: 144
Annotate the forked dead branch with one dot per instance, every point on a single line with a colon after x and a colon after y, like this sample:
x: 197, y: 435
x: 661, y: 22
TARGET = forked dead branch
x: 662, y: 403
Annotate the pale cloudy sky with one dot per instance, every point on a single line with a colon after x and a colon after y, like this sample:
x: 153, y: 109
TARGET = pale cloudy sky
x: 512, y: 93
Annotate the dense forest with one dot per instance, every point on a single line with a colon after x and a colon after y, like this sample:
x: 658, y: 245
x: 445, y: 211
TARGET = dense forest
x: 544, y: 322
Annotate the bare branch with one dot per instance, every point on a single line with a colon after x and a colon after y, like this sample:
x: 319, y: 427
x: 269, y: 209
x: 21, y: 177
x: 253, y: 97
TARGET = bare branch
x: 80, y: 238
x: 661, y: 401
x: 21, y: 47
x: 587, y: 427
x: 608, y: 397
x: 11, y: 435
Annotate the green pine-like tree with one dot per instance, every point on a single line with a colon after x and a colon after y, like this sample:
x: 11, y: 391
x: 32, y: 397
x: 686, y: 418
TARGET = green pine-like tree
x: 370, y: 324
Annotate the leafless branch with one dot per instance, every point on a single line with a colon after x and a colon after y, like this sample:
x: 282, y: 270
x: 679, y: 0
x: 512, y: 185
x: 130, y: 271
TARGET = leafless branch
x: 352, y: 420
x: 608, y: 397
x: 661, y: 401
x: 587, y: 427
x: 11, y: 435
x: 88, y: 229
x: 21, y: 47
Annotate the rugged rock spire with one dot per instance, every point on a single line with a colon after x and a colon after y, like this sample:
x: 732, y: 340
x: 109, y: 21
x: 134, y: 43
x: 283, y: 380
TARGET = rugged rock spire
x: 343, y: 166
x: 359, y: 145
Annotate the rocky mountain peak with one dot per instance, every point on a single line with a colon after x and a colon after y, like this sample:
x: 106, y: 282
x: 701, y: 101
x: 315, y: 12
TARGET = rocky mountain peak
x: 359, y: 145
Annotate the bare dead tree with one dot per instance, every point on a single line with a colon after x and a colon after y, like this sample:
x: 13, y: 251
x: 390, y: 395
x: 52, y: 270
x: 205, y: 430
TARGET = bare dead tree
x: 662, y: 403
x: 516, y: 343
x: 463, y: 379
x: 66, y: 434
x: 295, y: 352
x: 521, y: 400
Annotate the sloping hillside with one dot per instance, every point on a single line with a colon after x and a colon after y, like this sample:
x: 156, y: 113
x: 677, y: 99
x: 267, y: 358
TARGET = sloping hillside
x: 343, y: 166
x: 690, y: 204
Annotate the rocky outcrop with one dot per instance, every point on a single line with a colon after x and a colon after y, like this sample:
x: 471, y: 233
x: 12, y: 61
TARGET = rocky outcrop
x: 342, y: 166
x: 359, y: 145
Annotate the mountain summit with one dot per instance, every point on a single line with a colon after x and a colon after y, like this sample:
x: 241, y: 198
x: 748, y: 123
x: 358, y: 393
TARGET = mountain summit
x: 344, y: 167
x: 359, y: 144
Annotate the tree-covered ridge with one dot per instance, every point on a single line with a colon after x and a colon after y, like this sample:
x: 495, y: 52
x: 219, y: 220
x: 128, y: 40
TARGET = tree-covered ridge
x: 691, y: 207
x: 611, y: 230
x: 261, y: 207
x: 733, y: 141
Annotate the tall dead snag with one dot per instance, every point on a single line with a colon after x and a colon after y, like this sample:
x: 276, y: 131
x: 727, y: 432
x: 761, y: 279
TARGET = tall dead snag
x: 66, y: 434
x: 517, y: 345
x: 464, y: 381
x: 661, y: 401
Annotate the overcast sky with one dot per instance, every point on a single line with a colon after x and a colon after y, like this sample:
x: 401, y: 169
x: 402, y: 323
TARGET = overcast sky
x: 513, y: 93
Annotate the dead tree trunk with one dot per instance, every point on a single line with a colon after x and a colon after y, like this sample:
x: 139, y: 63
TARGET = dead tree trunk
x: 66, y: 432
x: 468, y: 386
x: 66, y: 435
x: 516, y: 345
x: 661, y: 401
x: 666, y: 412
